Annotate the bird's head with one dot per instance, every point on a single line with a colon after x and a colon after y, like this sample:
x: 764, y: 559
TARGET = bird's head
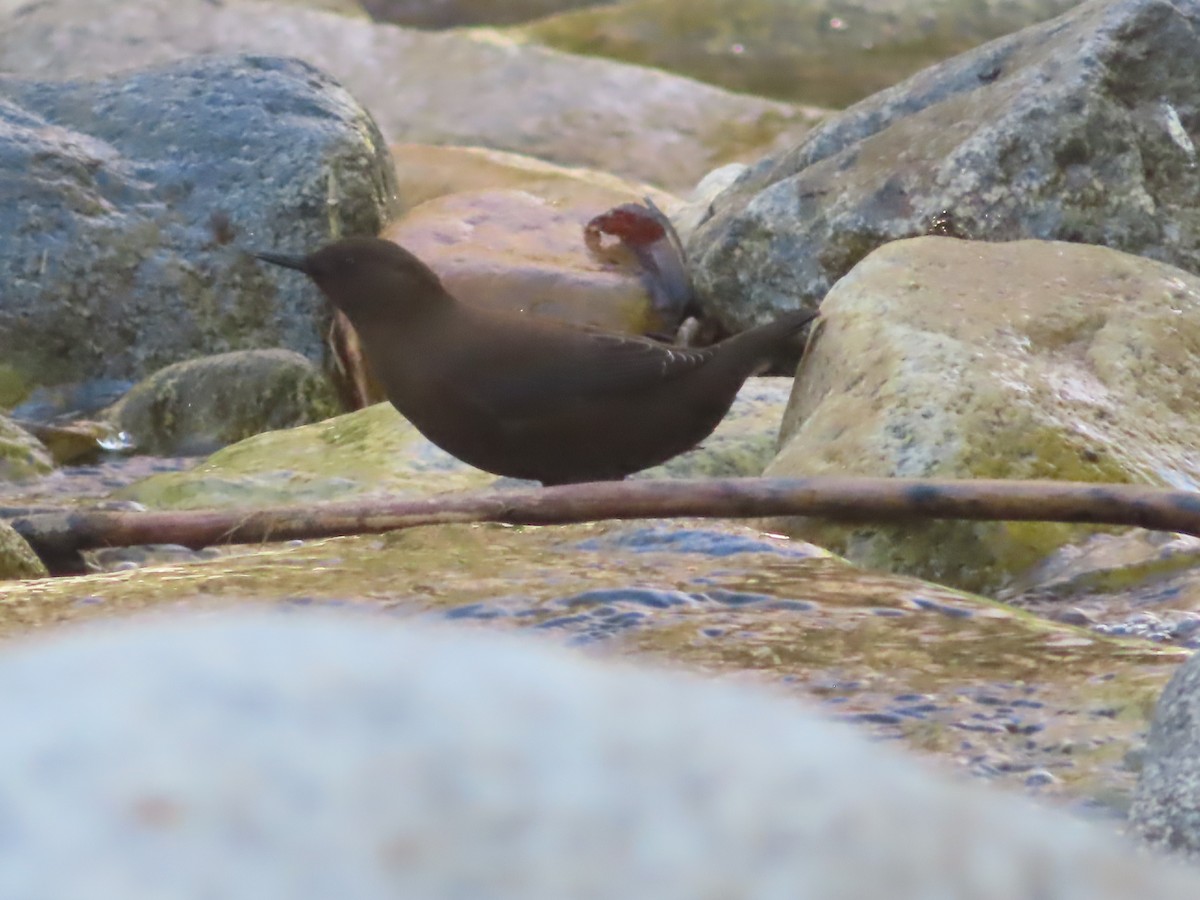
x: 366, y: 277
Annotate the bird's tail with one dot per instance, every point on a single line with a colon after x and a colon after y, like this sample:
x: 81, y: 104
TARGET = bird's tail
x: 789, y: 323
x: 773, y: 336
x: 761, y: 347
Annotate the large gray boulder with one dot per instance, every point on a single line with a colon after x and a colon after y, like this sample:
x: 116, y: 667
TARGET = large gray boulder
x: 130, y: 202
x: 1076, y: 130
x: 311, y: 755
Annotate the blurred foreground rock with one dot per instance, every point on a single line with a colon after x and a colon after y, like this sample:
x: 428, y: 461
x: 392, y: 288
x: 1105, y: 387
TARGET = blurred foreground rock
x: 312, y: 755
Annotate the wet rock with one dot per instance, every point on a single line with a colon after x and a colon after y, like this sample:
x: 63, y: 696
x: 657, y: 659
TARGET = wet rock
x: 1166, y: 806
x: 196, y: 407
x: 1031, y: 359
x: 513, y: 251
x: 132, y: 200
x: 448, y: 88
x: 706, y: 542
x: 1075, y: 130
x: 22, y: 456
x: 77, y: 443
x: 86, y: 485
x: 1110, y: 577
x: 120, y: 559
x: 17, y: 559
x: 376, y: 451
x: 827, y: 52
x: 212, y: 734
x: 452, y: 13
x: 1111, y: 563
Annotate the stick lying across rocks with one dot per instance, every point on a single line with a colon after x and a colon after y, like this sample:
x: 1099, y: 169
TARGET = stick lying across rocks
x: 59, y: 537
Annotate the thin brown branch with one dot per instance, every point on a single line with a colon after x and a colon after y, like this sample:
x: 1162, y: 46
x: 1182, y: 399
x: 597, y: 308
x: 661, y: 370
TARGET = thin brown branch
x: 60, y: 536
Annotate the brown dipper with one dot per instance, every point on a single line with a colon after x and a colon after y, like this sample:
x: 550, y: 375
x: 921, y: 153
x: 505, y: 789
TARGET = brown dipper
x: 523, y: 396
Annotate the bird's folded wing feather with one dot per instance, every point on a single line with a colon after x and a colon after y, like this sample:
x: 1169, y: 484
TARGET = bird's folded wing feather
x: 601, y: 365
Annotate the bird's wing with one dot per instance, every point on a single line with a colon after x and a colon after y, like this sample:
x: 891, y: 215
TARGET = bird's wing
x: 598, y: 364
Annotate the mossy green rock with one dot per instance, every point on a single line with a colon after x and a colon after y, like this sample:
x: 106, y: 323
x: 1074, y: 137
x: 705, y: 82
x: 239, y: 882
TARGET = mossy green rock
x: 1026, y: 360
x: 22, y: 455
x: 368, y: 451
x: 376, y: 451
x: 17, y: 559
x: 13, y: 387
x: 203, y: 404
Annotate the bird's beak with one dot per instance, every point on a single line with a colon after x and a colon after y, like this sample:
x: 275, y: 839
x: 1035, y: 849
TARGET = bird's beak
x: 299, y: 263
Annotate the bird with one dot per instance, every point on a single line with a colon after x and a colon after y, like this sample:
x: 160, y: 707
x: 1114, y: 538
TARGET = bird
x: 528, y: 397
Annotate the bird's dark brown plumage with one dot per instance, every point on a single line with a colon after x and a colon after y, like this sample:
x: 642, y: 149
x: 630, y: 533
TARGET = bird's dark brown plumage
x: 522, y: 396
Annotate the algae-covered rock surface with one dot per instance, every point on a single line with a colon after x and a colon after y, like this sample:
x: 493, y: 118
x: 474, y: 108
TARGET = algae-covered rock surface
x: 22, y: 456
x: 197, y: 406
x: 963, y: 359
x: 17, y: 559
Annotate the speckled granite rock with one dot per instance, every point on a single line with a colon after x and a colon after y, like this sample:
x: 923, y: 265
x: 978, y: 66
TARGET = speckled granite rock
x: 1030, y: 359
x: 130, y: 203
x: 199, y: 406
x: 1075, y: 130
x: 314, y: 756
